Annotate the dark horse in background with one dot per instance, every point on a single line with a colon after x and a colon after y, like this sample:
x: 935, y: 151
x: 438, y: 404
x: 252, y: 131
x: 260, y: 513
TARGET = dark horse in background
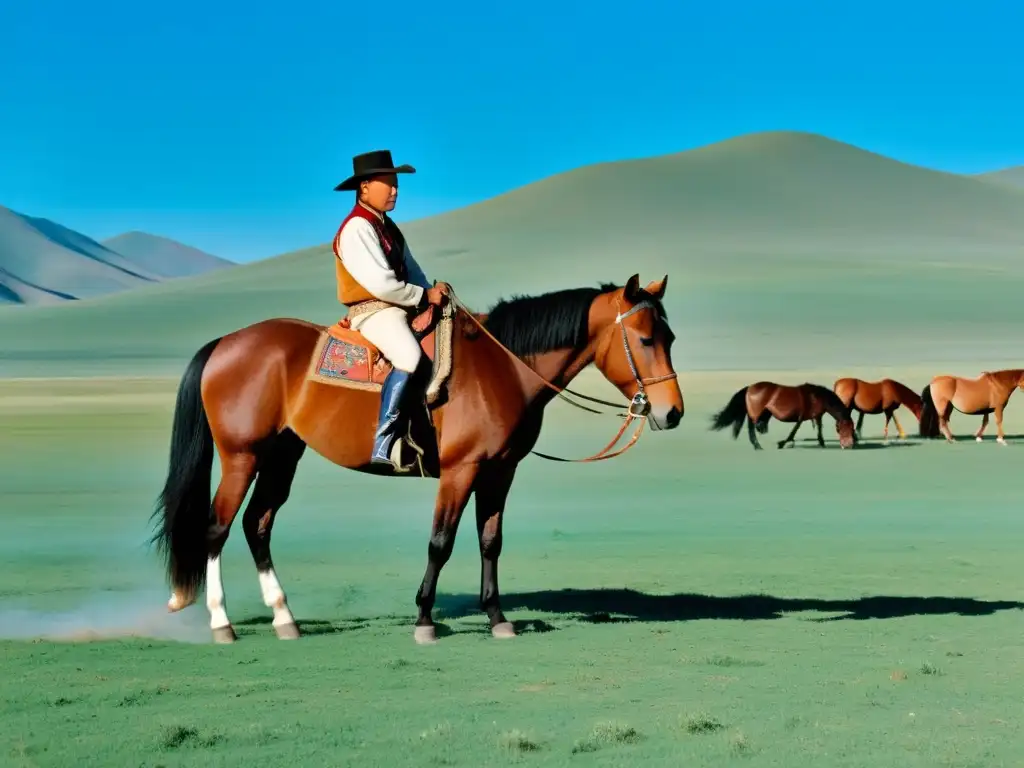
x: 758, y: 402
x: 250, y: 395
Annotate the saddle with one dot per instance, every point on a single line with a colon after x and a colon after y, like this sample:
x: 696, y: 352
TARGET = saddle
x: 344, y: 357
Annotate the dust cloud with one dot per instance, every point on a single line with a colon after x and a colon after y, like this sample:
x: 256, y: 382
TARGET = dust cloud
x: 106, y: 616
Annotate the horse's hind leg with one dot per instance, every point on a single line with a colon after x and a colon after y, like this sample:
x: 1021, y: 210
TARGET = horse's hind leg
x: 237, y: 471
x: 944, y: 409
x: 273, y: 484
x: 752, y: 434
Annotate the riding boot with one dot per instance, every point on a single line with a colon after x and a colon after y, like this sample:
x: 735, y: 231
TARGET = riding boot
x: 390, y: 403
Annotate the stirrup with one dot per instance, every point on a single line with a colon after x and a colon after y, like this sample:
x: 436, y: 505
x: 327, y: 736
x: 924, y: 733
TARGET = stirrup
x: 396, y: 455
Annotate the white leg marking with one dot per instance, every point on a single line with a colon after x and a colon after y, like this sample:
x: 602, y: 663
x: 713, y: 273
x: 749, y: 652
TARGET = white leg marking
x: 273, y: 597
x: 215, y: 594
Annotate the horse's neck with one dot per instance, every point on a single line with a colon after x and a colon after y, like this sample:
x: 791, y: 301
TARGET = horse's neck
x: 833, y: 409
x: 909, y: 398
x: 559, y: 368
x: 1008, y: 378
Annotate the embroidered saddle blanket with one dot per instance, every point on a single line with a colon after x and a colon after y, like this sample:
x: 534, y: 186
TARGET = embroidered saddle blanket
x: 345, y: 358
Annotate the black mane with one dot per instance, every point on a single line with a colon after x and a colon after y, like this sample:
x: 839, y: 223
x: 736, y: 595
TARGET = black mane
x: 831, y: 399
x: 533, y: 325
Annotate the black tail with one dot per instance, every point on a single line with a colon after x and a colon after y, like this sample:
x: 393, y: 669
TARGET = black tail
x: 184, y: 503
x: 928, y: 425
x: 733, y: 414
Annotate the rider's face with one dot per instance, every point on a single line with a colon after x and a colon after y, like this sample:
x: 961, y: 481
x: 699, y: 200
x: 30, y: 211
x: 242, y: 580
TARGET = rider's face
x: 381, y: 192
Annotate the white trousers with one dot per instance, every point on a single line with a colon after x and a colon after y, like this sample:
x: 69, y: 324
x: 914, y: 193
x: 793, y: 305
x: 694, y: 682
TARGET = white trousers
x: 389, y: 331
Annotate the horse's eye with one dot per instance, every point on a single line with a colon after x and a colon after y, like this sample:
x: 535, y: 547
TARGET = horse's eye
x: 647, y: 341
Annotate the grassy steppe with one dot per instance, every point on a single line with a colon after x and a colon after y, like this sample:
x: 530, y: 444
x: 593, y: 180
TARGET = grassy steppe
x: 689, y: 603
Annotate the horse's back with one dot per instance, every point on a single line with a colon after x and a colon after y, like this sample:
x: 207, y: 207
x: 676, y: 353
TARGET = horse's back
x: 257, y: 349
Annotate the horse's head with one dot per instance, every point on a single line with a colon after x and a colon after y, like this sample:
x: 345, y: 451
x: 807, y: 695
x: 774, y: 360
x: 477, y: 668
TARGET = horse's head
x: 633, y: 352
x: 845, y: 430
x: 825, y: 399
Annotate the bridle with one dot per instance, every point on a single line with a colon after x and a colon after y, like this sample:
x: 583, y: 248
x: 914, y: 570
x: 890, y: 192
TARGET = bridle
x: 639, y: 406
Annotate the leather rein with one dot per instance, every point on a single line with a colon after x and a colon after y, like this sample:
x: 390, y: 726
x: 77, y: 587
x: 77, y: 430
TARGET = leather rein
x: 639, y: 406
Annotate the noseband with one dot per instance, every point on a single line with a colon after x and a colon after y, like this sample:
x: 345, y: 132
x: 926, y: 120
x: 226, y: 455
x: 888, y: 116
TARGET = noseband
x: 639, y: 406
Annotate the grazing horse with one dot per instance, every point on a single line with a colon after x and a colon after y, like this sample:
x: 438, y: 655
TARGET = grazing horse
x: 876, y: 397
x: 261, y: 394
x: 984, y: 395
x: 758, y: 402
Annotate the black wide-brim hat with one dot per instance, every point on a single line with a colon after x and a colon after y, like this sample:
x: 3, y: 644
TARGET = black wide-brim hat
x: 371, y: 164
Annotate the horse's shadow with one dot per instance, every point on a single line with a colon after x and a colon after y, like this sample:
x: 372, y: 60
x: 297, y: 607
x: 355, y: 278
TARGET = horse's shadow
x: 318, y: 627
x: 614, y: 606
x: 863, y: 443
x: 627, y: 605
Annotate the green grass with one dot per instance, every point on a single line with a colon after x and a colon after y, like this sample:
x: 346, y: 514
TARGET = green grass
x: 690, y: 603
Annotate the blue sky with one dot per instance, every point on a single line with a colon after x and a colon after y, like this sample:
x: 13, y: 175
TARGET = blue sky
x: 226, y: 125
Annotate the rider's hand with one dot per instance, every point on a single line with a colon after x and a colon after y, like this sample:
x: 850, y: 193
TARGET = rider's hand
x: 436, y: 294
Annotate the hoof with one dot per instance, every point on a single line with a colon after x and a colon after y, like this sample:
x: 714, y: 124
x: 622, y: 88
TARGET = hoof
x: 178, y: 602
x: 1001, y: 441
x: 979, y: 439
x: 224, y: 634
x: 289, y: 631
x: 425, y: 635
x: 503, y: 630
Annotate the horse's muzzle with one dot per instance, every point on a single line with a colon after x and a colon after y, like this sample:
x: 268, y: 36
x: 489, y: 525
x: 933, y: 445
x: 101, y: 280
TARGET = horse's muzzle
x: 665, y: 418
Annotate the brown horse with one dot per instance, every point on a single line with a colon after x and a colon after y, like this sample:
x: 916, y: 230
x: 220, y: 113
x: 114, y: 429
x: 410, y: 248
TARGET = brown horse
x: 263, y: 393
x: 876, y: 397
x: 758, y: 402
x: 984, y: 395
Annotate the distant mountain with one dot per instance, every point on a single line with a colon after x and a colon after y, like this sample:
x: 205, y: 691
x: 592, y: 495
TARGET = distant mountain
x: 1013, y: 177
x: 164, y: 257
x: 782, y: 249
x: 42, y: 262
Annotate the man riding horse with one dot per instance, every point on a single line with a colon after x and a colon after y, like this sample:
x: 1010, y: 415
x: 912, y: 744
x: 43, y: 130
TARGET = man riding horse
x: 382, y: 286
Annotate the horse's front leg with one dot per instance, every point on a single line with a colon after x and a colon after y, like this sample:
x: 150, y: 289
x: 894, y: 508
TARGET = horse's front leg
x: 453, y: 492
x: 984, y: 425
x: 821, y: 438
x: 792, y: 434
x: 491, y: 489
x: 896, y: 421
x: 1001, y: 439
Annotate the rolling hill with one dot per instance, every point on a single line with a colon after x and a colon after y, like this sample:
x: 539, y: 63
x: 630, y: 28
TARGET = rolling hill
x: 1013, y: 177
x: 163, y: 256
x: 781, y: 247
x: 42, y: 262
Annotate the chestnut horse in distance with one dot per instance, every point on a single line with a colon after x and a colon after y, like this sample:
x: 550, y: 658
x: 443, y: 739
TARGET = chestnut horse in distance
x: 758, y: 402
x: 877, y: 397
x: 989, y: 393
x: 249, y: 395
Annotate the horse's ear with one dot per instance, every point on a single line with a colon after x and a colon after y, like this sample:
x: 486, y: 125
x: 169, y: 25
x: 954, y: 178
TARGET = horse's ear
x: 657, y: 287
x: 632, y: 288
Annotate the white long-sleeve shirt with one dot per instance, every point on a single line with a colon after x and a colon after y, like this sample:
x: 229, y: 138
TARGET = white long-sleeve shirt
x: 364, y: 259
